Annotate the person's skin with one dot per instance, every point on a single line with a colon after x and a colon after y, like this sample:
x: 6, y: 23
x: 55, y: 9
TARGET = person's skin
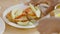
x: 52, y: 4
x: 37, y: 2
x: 49, y: 25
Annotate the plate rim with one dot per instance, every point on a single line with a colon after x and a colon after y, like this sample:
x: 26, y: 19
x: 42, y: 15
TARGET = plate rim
x: 3, y: 24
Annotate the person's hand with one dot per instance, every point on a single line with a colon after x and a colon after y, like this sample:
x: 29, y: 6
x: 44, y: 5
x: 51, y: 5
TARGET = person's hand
x: 49, y: 25
x: 51, y: 2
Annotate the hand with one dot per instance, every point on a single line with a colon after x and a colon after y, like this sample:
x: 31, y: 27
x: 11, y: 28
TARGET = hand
x: 49, y: 25
x: 51, y: 2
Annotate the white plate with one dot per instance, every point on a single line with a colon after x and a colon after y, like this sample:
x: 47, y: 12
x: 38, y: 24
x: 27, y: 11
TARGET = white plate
x: 2, y: 26
x: 20, y: 6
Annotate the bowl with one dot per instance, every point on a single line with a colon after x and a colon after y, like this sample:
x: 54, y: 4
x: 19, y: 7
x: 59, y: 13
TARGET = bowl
x: 21, y: 6
x: 56, y: 12
x: 57, y: 6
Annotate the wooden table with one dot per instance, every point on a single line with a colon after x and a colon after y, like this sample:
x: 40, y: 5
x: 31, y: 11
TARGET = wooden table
x: 12, y: 30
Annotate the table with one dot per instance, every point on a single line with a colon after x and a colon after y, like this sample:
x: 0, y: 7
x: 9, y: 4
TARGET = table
x: 12, y: 30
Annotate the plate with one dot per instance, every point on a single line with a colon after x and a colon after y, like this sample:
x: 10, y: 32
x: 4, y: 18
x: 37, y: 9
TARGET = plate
x: 20, y: 6
x: 2, y: 26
